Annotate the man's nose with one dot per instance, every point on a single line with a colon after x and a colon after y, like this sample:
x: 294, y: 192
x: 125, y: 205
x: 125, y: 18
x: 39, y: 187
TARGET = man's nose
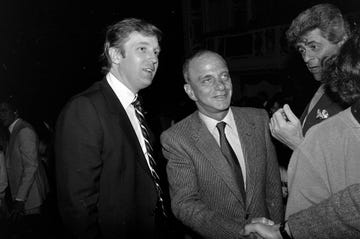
x: 153, y: 58
x: 220, y: 84
x: 307, y: 56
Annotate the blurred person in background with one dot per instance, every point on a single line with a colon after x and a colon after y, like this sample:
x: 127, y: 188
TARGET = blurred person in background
x: 27, y: 180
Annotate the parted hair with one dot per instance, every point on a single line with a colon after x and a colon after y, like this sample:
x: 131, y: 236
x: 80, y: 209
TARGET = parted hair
x: 118, y: 33
x: 326, y: 17
x: 342, y: 75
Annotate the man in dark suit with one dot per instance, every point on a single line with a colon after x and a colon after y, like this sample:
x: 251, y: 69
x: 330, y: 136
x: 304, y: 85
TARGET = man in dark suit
x: 317, y: 33
x: 106, y: 177
x: 222, y: 168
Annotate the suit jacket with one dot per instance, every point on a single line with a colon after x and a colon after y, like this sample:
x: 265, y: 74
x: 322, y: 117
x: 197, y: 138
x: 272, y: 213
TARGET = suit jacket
x: 26, y: 174
x: 204, y: 195
x: 312, y: 118
x: 105, y: 189
x: 335, y: 217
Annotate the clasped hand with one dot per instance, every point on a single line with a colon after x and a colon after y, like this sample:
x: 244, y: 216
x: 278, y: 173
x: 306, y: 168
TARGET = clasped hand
x: 17, y: 211
x: 286, y: 127
x: 262, y: 228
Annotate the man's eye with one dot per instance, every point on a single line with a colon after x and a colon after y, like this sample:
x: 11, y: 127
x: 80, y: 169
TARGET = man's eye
x: 301, y: 50
x: 142, y: 49
x: 207, y: 80
x: 225, y: 77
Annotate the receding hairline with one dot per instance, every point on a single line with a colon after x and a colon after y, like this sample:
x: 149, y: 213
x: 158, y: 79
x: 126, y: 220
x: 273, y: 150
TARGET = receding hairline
x: 197, y: 56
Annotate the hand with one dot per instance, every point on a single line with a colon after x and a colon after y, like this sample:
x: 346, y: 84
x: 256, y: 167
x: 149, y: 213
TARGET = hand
x: 263, y: 220
x: 17, y: 211
x: 286, y: 127
x: 262, y: 231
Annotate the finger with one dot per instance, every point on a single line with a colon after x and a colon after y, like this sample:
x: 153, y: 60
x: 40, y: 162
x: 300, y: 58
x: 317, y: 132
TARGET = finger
x: 263, y: 220
x: 279, y: 117
x: 291, y: 116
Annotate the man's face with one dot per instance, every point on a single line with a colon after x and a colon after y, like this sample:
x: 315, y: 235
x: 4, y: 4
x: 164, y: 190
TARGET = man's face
x: 139, y: 64
x: 210, y: 85
x: 7, y: 115
x: 313, y: 48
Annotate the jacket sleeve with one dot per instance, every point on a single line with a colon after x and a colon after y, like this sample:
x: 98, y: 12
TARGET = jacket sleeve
x: 78, y: 167
x: 28, y: 150
x: 335, y: 217
x: 274, y: 197
x: 186, y: 201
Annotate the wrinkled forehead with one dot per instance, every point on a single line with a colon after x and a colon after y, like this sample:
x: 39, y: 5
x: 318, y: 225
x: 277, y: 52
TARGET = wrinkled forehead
x: 308, y: 37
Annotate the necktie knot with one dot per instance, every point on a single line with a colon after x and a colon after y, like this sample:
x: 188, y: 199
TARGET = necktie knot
x: 137, y: 104
x: 221, y: 127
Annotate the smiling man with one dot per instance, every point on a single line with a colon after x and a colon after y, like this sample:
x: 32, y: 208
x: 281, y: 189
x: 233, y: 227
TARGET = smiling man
x: 108, y: 184
x: 317, y: 33
x: 222, y: 168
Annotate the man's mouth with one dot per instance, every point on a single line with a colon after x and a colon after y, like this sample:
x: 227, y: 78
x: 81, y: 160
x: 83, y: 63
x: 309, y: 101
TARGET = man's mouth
x: 149, y: 70
x: 224, y: 96
x: 314, y: 69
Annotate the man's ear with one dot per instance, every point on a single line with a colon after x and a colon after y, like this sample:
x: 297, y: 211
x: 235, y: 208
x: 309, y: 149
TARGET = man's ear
x: 189, y: 91
x: 115, y: 55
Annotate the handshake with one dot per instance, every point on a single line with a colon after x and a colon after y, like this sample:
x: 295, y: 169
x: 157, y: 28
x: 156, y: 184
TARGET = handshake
x: 265, y: 228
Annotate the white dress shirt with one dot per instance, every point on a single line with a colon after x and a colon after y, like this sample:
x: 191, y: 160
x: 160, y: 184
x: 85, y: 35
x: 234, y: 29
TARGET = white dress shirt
x: 231, y: 135
x: 126, y: 97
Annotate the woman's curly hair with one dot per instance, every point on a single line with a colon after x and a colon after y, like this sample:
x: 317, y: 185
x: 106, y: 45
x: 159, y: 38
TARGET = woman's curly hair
x: 342, y: 74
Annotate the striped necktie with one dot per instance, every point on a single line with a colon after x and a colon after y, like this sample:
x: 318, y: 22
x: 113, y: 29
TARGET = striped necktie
x: 149, y: 152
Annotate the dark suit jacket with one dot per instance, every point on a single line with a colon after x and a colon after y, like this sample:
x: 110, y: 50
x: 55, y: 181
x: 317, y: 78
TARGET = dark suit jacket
x: 204, y: 195
x: 105, y: 188
x: 336, y: 217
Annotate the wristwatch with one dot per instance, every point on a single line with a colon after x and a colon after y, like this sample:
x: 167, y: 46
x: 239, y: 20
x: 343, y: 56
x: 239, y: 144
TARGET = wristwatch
x: 283, y: 232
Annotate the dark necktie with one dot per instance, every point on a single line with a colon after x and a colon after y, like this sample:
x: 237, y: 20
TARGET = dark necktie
x: 149, y: 151
x: 230, y: 155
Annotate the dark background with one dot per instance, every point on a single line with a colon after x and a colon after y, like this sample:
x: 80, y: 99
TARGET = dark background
x: 50, y: 50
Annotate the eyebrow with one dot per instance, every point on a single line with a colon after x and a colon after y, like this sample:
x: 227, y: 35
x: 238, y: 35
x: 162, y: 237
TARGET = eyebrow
x: 148, y: 44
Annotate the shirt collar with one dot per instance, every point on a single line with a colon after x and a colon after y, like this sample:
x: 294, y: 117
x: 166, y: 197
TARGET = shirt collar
x: 11, y: 127
x: 124, y: 94
x: 211, y: 123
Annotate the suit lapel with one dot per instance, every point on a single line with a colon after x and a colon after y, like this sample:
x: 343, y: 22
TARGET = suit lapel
x: 118, y: 111
x: 248, y: 144
x: 211, y: 150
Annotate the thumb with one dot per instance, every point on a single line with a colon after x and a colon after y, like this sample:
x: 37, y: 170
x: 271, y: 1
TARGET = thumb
x: 291, y: 116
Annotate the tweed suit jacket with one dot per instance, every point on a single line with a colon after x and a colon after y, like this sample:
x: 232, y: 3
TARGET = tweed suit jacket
x: 26, y: 175
x: 335, y: 217
x: 204, y: 195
